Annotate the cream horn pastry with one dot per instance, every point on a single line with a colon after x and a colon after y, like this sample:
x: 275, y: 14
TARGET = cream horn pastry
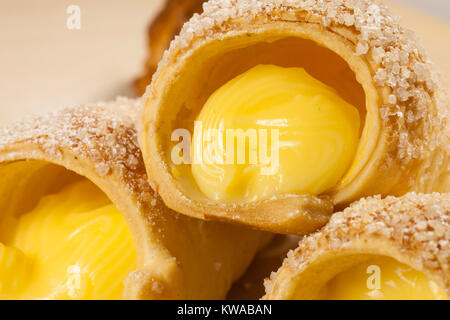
x: 395, y: 248
x: 292, y: 110
x: 165, y: 26
x: 79, y: 219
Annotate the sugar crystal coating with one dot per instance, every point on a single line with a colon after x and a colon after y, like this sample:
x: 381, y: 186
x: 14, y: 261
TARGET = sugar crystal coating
x: 418, y: 225
x: 103, y: 133
x: 416, y: 108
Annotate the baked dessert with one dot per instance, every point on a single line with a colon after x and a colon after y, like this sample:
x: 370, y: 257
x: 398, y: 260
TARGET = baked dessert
x: 393, y: 248
x: 325, y: 102
x: 81, y: 221
x: 161, y: 32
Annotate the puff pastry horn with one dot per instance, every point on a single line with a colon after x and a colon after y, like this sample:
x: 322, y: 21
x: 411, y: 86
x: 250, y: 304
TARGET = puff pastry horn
x: 395, y: 248
x: 176, y: 257
x: 354, y: 53
x: 161, y: 32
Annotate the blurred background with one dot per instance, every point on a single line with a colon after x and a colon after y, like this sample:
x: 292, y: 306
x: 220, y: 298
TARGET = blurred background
x: 438, y: 7
x: 45, y: 65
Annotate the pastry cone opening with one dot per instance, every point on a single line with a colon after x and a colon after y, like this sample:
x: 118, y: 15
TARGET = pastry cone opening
x: 241, y: 55
x: 278, y: 131
x: 380, y: 277
x: 61, y: 237
x: 345, y: 54
x: 219, y: 68
x: 392, y: 248
x: 86, y: 161
x: 364, y: 276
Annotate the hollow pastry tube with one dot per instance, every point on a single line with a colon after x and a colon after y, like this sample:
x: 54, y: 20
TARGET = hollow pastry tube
x: 292, y: 110
x: 393, y: 249
x: 79, y: 219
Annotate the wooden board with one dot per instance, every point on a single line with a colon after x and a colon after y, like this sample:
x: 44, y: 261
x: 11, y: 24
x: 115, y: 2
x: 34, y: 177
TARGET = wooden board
x: 45, y: 66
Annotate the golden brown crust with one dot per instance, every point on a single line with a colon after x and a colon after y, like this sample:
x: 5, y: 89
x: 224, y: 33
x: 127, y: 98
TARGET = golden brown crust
x: 407, y: 117
x: 102, y: 134
x: 412, y: 103
x: 99, y: 142
x: 399, y: 61
x: 161, y: 32
x: 414, y: 229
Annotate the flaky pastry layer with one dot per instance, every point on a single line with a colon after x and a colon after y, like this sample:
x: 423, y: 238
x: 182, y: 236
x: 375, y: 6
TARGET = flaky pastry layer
x: 177, y: 257
x: 404, y: 143
x: 413, y: 229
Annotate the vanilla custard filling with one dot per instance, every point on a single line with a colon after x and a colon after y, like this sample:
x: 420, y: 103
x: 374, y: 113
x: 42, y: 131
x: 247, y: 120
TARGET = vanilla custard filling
x: 270, y: 131
x: 74, y: 244
x: 382, y: 278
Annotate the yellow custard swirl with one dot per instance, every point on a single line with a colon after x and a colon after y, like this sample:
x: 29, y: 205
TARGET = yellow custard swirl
x: 304, y: 135
x: 382, y: 279
x: 74, y: 244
